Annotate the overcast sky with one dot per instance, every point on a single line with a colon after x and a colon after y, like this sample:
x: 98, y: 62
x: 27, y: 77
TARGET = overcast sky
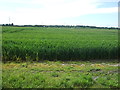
x: 59, y: 12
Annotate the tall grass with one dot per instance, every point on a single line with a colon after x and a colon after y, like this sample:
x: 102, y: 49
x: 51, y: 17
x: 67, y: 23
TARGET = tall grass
x: 48, y: 43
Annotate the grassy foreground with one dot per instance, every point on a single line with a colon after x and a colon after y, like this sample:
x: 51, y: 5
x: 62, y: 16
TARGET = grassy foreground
x: 71, y: 74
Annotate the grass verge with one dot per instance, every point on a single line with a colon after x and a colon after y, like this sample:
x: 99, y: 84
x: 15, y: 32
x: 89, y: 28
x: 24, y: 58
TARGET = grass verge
x: 49, y: 74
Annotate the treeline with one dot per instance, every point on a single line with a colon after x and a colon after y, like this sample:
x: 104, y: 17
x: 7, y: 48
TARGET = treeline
x: 68, y: 26
x: 7, y: 24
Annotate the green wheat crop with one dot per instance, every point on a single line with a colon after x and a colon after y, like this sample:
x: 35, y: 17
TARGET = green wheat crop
x: 52, y: 43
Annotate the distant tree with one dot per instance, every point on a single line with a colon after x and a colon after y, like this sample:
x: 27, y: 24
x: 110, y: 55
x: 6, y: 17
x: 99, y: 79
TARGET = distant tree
x: 7, y: 24
x: 12, y: 24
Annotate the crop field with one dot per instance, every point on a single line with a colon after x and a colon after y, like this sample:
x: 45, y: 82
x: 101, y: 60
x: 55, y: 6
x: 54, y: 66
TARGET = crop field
x: 59, y: 57
x: 48, y: 43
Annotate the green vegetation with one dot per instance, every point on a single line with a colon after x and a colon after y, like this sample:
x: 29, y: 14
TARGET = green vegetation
x: 59, y: 57
x: 51, y: 43
x: 49, y: 74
